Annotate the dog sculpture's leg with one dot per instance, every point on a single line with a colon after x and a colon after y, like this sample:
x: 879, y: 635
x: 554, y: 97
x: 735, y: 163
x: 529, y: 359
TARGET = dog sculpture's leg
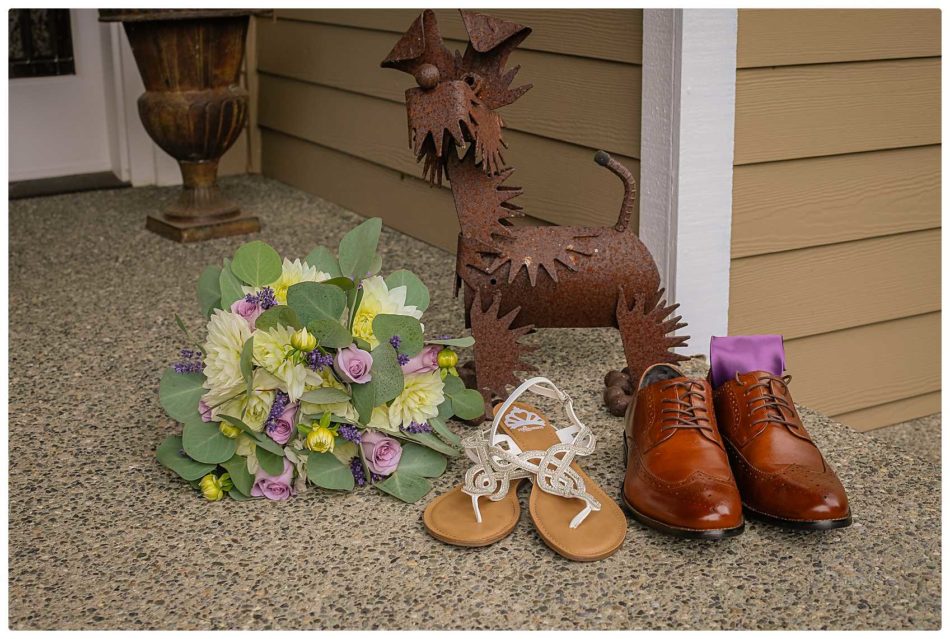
x: 645, y: 329
x: 498, y: 353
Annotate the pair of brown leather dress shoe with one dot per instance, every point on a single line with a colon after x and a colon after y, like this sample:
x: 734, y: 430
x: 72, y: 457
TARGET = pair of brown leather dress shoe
x: 696, y: 456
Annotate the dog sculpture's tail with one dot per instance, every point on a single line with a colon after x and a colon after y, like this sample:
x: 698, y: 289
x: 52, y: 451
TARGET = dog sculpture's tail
x: 629, y: 187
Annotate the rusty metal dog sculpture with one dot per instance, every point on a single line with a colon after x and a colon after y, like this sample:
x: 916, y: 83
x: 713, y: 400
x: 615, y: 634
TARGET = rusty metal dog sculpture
x: 518, y: 277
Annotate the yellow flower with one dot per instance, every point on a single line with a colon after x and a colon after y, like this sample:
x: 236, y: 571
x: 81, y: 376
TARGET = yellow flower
x: 227, y: 333
x: 253, y: 411
x: 303, y: 341
x: 211, y: 488
x: 320, y: 439
x: 419, y: 400
x: 378, y: 298
x: 291, y: 273
x: 229, y: 430
x: 379, y: 420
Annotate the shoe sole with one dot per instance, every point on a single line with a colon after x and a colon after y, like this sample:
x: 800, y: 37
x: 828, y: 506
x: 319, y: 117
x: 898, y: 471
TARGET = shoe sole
x: 798, y: 524
x: 707, y: 534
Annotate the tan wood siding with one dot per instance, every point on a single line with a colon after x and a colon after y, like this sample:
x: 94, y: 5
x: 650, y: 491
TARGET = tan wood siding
x: 797, y: 203
x: 613, y: 34
x: 827, y: 288
x: 320, y: 72
x: 558, y: 106
x: 768, y: 37
x: 853, y: 369
x: 836, y: 205
x: 828, y: 109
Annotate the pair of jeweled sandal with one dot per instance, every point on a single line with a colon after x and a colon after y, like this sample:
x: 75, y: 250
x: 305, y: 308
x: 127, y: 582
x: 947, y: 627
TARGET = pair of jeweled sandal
x: 571, y: 512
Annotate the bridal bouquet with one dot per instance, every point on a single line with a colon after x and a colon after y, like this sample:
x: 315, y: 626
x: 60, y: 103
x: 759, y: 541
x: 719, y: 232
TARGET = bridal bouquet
x: 313, y: 372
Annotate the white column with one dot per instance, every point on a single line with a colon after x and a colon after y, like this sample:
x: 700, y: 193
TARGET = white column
x: 686, y: 153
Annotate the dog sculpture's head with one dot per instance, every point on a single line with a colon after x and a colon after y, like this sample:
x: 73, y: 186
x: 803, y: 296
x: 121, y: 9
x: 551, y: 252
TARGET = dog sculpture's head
x: 455, y: 101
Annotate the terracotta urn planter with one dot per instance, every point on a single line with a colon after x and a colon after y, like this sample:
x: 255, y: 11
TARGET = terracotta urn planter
x: 193, y: 108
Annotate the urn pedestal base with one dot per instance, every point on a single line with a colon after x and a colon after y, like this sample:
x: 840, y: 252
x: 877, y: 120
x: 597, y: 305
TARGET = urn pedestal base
x: 199, y: 230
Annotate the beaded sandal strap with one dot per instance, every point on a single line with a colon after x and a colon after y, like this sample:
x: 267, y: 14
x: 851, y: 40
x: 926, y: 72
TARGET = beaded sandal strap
x: 499, y: 460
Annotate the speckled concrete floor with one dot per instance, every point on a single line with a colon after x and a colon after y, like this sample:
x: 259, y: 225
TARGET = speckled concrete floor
x: 103, y: 537
x: 919, y: 437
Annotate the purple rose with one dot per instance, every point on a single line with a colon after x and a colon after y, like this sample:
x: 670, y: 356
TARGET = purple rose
x: 382, y: 453
x: 205, y: 411
x: 250, y: 311
x: 283, y: 426
x: 276, y: 488
x: 353, y: 364
x: 425, y: 362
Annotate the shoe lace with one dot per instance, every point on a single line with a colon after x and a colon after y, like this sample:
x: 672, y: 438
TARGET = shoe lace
x: 681, y: 410
x: 771, y: 404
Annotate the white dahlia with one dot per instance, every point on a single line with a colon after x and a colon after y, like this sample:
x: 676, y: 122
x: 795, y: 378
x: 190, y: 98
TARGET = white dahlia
x: 227, y: 333
x: 419, y: 400
x: 379, y: 298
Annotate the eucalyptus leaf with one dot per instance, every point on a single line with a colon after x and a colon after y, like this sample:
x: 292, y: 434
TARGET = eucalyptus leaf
x: 342, y: 282
x: 179, y: 393
x: 417, y: 294
x: 421, y: 461
x: 171, y: 455
x: 325, y: 396
x: 358, y: 249
x: 247, y: 364
x: 326, y: 471
x: 204, y: 442
x: 271, y: 464
x: 323, y: 260
x: 330, y: 333
x: 445, y: 410
x: 268, y: 444
x: 443, y: 431
x: 458, y: 342
x: 256, y: 263
x: 407, y: 328
x: 405, y: 486
x: 277, y: 315
x: 386, y: 384
x: 230, y: 286
x: 468, y: 404
x: 209, y: 289
x: 237, y: 469
x: 237, y: 495
x: 453, y: 385
x: 431, y: 441
x: 313, y: 301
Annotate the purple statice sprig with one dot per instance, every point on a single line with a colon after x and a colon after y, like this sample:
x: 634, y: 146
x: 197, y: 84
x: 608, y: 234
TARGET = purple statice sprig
x: 403, y: 359
x: 190, y: 362
x: 359, y: 474
x: 281, y: 399
x: 349, y: 432
x: 414, y: 428
x: 317, y: 360
x: 395, y: 340
x: 263, y: 298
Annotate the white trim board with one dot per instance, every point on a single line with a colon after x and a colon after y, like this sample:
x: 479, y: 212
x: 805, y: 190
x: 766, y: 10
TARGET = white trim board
x: 686, y: 149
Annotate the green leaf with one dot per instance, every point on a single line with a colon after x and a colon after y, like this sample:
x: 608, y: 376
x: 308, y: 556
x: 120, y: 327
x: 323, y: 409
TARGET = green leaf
x: 330, y: 334
x: 407, y: 328
x: 362, y: 344
x: 170, y: 456
x: 342, y: 282
x: 459, y: 342
x: 230, y: 286
x: 209, y: 289
x: 179, y: 393
x: 271, y: 463
x: 268, y: 444
x: 421, y: 461
x: 257, y: 264
x: 453, y: 385
x: 325, y: 396
x: 326, y: 471
x: 358, y: 249
x: 431, y: 441
x: 376, y: 264
x: 204, y: 442
x: 386, y: 384
x: 247, y: 364
x: 468, y: 404
x: 445, y: 410
x: 322, y: 259
x: 237, y: 495
x: 417, y: 294
x: 277, y: 315
x: 440, y: 428
x: 405, y: 486
x: 313, y: 300
x: 237, y: 469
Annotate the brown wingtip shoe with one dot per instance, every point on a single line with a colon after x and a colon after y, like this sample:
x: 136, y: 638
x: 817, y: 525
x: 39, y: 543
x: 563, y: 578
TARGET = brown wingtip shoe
x: 678, y: 478
x: 781, y: 474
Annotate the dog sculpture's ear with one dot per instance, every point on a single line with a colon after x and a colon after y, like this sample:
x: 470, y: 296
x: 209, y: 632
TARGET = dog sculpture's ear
x: 421, y: 44
x: 491, y: 41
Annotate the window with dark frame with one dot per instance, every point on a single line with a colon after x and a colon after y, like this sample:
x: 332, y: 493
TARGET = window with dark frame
x: 41, y: 43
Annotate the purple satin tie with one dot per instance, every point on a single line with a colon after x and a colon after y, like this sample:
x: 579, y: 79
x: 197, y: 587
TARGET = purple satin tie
x: 745, y: 354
